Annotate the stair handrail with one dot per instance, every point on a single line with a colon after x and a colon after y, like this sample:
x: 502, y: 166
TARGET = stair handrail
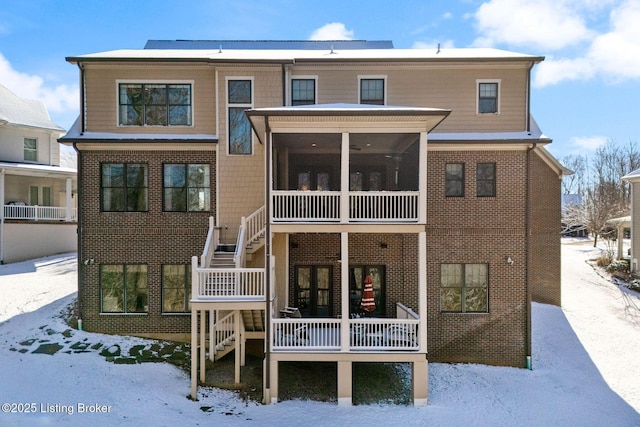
x: 210, y: 245
x: 256, y: 224
x: 223, y: 330
x: 239, y: 254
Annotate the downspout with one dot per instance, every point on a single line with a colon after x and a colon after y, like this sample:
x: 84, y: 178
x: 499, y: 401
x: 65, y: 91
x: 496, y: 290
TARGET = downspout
x: 527, y: 224
x: 527, y: 118
x: 80, y: 202
x: 284, y: 84
x: 267, y: 250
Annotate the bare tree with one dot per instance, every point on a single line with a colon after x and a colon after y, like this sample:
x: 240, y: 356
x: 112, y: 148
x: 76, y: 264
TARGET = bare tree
x: 598, y: 181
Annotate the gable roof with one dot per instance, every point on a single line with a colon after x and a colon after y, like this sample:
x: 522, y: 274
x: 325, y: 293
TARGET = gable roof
x: 24, y: 112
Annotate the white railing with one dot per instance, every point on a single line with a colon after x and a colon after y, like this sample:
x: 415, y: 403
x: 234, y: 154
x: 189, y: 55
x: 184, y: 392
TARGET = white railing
x: 384, y: 334
x: 306, y: 334
x: 239, y: 254
x: 228, y: 284
x: 210, y: 245
x: 223, y: 331
x: 385, y: 206
x: 36, y: 213
x: 255, y: 224
x: 364, y: 206
x: 296, y: 334
x: 291, y: 206
x: 404, y: 312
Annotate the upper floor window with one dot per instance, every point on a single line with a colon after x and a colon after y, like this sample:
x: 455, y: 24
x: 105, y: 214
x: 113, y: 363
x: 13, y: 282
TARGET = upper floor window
x: 372, y: 90
x: 303, y: 91
x: 155, y: 104
x: 186, y: 188
x: 454, y: 180
x: 30, y: 150
x: 464, y: 288
x: 486, y: 180
x: 124, y: 187
x: 239, y: 99
x: 488, y: 96
x: 124, y: 288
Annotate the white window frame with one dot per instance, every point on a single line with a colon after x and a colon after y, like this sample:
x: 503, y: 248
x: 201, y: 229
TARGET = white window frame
x: 315, y: 87
x: 24, y: 148
x: 372, y: 77
x: 247, y: 106
x: 478, y: 82
x: 151, y: 82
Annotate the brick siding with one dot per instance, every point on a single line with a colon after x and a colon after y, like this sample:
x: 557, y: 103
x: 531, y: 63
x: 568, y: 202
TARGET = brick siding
x: 152, y: 238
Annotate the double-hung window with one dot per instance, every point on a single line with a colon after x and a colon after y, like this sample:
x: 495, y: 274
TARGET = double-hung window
x: 372, y: 90
x: 464, y: 288
x: 124, y: 187
x: 303, y: 91
x: 486, y: 180
x: 124, y: 288
x: 454, y: 180
x: 186, y: 187
x: 176, y: 288
x: 239, y: 99
x: 30, y: 150
x: 155, y: 104
x: 488, y: 97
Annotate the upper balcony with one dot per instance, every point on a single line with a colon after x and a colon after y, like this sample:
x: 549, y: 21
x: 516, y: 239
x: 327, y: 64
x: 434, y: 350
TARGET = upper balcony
x: 346, y: 164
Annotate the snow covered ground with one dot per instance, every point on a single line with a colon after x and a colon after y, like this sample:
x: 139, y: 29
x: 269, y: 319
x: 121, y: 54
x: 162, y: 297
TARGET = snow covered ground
x: 585, y: 368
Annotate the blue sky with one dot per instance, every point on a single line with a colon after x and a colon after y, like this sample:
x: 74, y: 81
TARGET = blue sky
x: 586, y: 91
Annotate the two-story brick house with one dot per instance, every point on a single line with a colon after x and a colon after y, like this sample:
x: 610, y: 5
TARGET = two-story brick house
x: 305, y: 173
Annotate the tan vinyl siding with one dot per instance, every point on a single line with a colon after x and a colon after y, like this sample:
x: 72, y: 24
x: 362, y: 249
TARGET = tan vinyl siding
x: 635, y: 226
x: 452, y: 87
x: 101, y: 94
x: 243, y: 175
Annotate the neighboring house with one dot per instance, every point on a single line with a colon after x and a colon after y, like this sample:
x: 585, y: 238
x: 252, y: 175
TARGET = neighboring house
x: 634, y: 180
x: 303, y: 173
x: 36, y: 193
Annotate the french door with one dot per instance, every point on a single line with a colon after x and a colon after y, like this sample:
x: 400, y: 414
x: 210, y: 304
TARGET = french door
x: 313, y: 287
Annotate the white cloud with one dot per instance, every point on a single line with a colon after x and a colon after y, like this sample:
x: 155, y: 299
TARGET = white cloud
x: 580, y: 144
x: 544, y: 24
x: 332, y: 31
x: 60, y: 98
x: 586, y: 44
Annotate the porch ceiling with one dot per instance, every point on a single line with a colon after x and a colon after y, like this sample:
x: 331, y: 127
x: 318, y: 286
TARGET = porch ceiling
x: 359, y: 143
x: 338, y: 118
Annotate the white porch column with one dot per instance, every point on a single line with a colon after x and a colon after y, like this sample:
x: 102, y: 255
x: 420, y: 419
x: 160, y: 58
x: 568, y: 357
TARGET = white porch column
x: 344, y: 292
x: 1, y: 216
x: 68, y: 205
x: 422, y: 289
x: 344, y: 179
x: 422, y: 179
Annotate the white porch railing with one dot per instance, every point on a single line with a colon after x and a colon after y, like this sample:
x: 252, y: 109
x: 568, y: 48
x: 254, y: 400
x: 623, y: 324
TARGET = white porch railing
x: 210, y: 244
x: 291, y: 206
x: 306, y: 334
x: 223, y: 331
x: 364, y: 206
x: 290, y: 334
x: 39, y: 213
x: 383, y: 206
x: 227, y: 284
x: 384, y: 334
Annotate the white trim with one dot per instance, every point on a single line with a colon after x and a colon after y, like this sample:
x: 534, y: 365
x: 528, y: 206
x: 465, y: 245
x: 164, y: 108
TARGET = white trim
x: 372, y: 77
x: 146, y: 81
x: 302, y: 77
x: 248, y: 106
x: 478, y: 82
x: 24, y: 138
